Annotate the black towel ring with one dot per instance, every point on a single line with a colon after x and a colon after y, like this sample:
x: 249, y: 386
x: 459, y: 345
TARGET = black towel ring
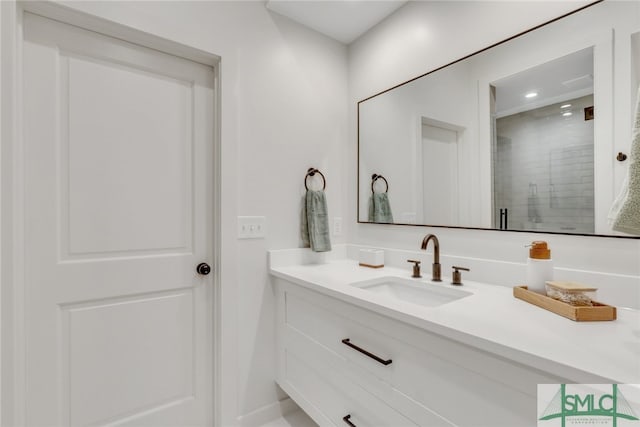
x: 375, y: 177
x: 312, y: 172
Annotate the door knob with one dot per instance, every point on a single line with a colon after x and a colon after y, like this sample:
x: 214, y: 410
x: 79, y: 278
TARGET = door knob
x: 203, y: 269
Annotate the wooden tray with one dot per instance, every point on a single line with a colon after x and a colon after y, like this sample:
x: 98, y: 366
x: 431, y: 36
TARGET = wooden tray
x: 598, y: 312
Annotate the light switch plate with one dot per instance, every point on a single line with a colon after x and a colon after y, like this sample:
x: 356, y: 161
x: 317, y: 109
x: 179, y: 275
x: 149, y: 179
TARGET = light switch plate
x: 252, y: 227
x: 337, y: 226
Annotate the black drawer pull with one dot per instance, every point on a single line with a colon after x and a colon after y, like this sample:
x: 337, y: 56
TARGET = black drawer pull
x: 365, y: 352
x: 346, y: 420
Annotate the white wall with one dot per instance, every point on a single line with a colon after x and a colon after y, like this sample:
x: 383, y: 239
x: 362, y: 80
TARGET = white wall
x: 422, y: 36
x: 283, y: 109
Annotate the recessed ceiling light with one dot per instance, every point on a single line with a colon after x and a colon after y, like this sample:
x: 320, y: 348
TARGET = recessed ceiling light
x: 567, y: 113
x: 565, y: 106
x: 531, y: 95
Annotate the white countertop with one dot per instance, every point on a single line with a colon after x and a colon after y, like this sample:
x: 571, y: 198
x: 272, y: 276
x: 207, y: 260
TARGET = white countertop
x: 493, y: 320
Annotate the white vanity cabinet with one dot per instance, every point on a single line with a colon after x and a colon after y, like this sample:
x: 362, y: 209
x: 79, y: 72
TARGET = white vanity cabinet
x: 411, y: 377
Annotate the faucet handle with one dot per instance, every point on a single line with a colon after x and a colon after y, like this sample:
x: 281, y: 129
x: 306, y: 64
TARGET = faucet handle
x: 416, y: 268
x: 457, y: 276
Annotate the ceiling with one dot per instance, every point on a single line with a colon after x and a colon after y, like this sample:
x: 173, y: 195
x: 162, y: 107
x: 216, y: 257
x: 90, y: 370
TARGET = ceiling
x: 342, y: 20
x: 564, y: 78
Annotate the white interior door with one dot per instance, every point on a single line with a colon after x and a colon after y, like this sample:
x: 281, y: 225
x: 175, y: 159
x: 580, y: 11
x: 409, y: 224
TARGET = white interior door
x: 440, y: 175
x: 118, y: 149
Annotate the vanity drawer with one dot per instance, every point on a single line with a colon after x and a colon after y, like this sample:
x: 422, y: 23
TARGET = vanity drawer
x: 329, y: 329
x: 335, y: 397
x: 346, y: 376
x: 428, y: 373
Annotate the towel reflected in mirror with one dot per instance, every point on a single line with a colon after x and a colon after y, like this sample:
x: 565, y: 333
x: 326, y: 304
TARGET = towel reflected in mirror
x: 380, y: 209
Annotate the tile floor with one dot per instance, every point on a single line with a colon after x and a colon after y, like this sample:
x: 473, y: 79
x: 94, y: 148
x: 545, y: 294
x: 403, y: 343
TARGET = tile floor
x: 293, y: 419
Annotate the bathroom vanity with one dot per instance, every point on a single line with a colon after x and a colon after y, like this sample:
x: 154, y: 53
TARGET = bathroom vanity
x: 360, y: 346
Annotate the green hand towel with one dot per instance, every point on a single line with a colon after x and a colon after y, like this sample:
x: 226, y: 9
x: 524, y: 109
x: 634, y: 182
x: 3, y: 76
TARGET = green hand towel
x: 626, y: 208
x: 380, y: 208
x: 315, y: 222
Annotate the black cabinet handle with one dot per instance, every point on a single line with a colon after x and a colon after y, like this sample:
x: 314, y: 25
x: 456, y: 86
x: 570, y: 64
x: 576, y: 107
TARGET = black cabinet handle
x: 346, y: 420
x: 366, y: 353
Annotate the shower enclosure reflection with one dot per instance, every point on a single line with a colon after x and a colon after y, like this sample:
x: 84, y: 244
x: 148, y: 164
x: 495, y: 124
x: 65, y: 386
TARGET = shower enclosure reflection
x: 543, y: 165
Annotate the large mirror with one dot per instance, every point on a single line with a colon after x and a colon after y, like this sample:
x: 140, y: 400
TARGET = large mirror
x: 519, y: 137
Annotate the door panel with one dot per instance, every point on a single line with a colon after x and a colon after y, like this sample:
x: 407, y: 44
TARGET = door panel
x: 118, y: 148
x: 440, y: 164
x: 158, y: 357
x: 124, y: 166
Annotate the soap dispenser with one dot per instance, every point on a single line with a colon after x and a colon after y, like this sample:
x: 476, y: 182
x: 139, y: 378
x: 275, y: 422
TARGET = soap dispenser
x: 539, y: 267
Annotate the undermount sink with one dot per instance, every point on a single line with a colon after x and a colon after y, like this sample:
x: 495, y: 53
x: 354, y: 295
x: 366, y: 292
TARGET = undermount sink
x: 412, y: 291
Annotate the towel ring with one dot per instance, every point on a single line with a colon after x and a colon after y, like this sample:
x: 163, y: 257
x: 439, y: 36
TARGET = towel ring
x: 375, y: 177
x: 312, y: 172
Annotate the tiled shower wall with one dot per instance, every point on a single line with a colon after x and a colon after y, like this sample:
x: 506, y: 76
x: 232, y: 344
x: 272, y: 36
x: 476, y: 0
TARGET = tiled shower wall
x: 543, y: 171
